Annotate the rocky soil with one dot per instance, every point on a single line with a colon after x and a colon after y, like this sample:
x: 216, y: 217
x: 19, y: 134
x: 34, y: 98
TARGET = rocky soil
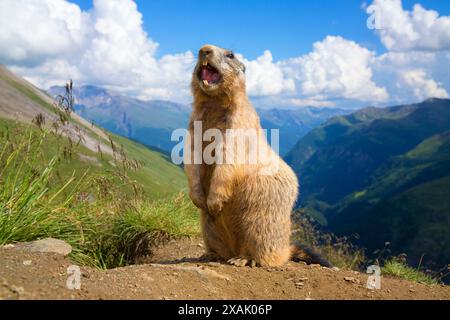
x: 29, y: 271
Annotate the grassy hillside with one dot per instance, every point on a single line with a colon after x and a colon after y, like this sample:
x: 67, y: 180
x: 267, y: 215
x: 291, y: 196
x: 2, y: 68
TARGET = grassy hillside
x: 112, y: 199
x: 383, y: 174
x: 20, y: 103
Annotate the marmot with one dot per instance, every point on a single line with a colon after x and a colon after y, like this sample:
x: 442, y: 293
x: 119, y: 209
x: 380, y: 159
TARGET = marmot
x: 245, y: 207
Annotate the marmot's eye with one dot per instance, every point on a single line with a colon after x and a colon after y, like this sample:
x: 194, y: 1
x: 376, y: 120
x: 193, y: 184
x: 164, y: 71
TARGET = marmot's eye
x: 230, y: 55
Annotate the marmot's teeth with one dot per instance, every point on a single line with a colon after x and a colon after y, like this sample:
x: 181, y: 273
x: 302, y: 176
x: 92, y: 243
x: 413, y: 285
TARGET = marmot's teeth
x: 205, y: 63
x: 205, y: 82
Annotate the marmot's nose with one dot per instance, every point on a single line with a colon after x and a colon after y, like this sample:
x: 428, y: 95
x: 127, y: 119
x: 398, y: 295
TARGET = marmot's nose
x: 205, y: 52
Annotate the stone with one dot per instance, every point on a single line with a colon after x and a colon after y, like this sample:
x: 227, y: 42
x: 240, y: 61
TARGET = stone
x: 351, y: 279
x: 18, y: 290
x: 203, y: 272
x: 48, y: 245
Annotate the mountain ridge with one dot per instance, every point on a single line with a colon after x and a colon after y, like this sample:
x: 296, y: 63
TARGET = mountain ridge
x: 364, y: 173
x: 152, y: 122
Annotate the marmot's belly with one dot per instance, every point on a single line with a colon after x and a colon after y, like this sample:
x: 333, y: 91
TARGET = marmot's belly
x: 259, y: 211
x: 206, y: 172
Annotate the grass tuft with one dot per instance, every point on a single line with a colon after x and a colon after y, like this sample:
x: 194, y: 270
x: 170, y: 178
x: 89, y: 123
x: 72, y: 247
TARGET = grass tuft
x: 338, y: 250
x: 399, y: 269
x: 103, y: 213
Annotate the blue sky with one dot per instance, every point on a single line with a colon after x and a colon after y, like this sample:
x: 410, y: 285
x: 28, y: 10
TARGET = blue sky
x: 297, y: 53
x: 288, y: 27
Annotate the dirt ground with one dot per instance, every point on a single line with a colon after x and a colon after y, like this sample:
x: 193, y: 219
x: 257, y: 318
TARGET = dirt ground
x: 174, y: 272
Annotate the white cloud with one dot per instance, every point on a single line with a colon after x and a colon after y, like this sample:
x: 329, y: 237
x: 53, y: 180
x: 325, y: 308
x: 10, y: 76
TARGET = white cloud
x: 265, y: 78
x: 106, y: 46
x: 295, y: 102
x: 33, y: 30
x: 419, y: 29
x: 416, y: 65
x: 414, y: 75
x: 50, y: 41
x: 337, y: 68
x: 421, y: 85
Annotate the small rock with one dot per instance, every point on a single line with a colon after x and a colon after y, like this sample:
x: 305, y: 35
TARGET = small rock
x: 335, y: 269
x: 48, y: 245
x: 18, y: 290
x: 213, y: 264
x: 351, y: 279
x: 203, y: 272
x: 27, y: 263
x: 303, y: 279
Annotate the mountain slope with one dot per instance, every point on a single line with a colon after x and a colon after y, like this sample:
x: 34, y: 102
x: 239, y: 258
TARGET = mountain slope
x: 149, y: 122
x: 384, y: 174
x: 152, y: 122
x: 294, y: 124
x: 21, y: 102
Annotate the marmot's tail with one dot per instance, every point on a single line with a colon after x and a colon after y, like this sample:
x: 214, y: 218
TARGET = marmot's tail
x: 301, y: 252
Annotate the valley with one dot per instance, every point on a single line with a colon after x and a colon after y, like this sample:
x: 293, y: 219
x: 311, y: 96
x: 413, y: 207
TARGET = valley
x: 382, y: 174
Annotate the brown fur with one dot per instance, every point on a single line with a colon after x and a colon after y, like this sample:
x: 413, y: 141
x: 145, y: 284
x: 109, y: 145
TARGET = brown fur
x: 245, y: 214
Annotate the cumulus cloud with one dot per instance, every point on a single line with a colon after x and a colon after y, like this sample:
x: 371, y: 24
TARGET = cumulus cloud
x: 421, y: 85
x: 415, y: 67
x: 108, y: 46
x: 264, y: 77
x: 336, y: 68
x: 105, y: 46
x: 419, y: 29
x: 33, y: 30
x: 397, y: 71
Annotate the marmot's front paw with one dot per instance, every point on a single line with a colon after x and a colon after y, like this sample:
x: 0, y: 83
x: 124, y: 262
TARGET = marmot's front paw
x: 242, y: 262
x: 215, y: 204
x: 198, y: 200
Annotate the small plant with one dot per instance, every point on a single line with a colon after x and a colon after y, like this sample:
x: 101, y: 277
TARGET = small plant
x: 398, y: 268
x: 338, y: 250
x: 65, y: 103
x: 39, y: 120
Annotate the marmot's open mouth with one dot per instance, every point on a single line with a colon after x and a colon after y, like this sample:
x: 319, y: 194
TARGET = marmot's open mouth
x: 208, y: 74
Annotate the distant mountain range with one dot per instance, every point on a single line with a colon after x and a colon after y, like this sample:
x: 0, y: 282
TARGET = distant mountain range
x: 148, y: 122
x: 152, y: 122
x: 383, y: 174
x: 294, y: 124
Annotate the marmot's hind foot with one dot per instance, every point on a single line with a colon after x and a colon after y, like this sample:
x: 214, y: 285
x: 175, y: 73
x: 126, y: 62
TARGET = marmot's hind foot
x: 242, y: 262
